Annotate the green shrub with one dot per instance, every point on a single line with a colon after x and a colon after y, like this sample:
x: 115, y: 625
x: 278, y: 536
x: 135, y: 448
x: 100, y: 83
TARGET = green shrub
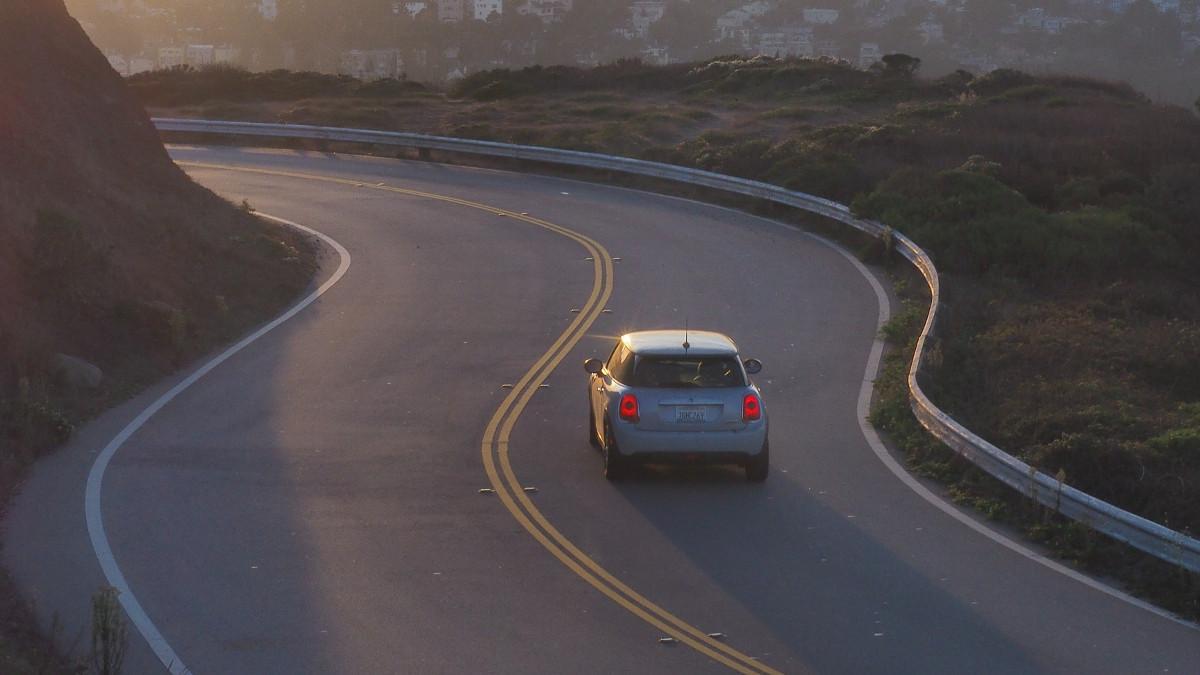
x: 971, y: 223
x: 1175, y: 190
x: 495, y: 91
x: 1076, y: 193
x: 29, y: 420
x: 1029, y: 92
x: 999, y: 81
x: 1184, y: 443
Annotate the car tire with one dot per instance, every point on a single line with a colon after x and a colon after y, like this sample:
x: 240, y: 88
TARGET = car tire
x: 593, y: 439
x: 614, y: 465
x: 760, y: 465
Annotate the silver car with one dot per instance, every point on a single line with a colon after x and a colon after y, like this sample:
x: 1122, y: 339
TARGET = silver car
x: 677, y: 396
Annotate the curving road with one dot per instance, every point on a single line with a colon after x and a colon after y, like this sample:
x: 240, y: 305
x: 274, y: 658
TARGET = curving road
x: 313, y: 504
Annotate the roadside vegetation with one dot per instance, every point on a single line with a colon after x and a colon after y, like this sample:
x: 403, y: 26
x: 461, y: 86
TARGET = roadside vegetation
x: 1063, y: 212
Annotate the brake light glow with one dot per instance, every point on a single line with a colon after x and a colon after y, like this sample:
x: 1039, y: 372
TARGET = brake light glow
x: 751, y: 408
x: 629, y: 408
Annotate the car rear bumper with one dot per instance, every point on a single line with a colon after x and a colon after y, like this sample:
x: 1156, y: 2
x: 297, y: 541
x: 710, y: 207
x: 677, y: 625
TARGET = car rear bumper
x: 699, y: 446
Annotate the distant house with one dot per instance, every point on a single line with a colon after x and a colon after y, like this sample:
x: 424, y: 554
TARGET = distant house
x: 451, y: 10
x: 118, y: 63
x: 549, y: 11
x: 788, y: 41
x: 353, y: 62
x: 1038, y: 20
x: 140, y: 64
x: 828, y: 49
x: 869, y: 54
x: 371, y: 64
x: 268, y: 9
x: 485, y: 8
x: 931, y: 31
x: 170, y: 57
x: 758, y: 7
x: 1032, y: 19
x: 821, y: 16
x: 979, y: 63
x: 385, y: 64
x: 645, y: 13
x: 226, y: 55
x: 1054, y: 25
x: 1191, y: 43
x: 411, y: 8
x: 200, y: 55
x: 735, y: 25
x: 658, y: 56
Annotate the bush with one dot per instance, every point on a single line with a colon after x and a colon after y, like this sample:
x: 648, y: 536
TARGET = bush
x: 1175, y: 190
x: 973, y: 224
x: 900, y: 65
x: 999, y: 81
x: 31, y: 421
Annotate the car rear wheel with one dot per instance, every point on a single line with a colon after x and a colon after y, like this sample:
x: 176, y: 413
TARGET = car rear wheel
x: 759, y: 466
x: 614, y: 465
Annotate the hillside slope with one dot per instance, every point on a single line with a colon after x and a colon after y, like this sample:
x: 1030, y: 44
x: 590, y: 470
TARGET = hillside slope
x: 115, y: 268
x: 111, y: 253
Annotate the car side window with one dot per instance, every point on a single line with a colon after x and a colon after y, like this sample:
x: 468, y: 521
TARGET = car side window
x: 620, y: 364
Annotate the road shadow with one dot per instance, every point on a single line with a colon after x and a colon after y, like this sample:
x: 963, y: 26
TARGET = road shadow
x: 835, y: 596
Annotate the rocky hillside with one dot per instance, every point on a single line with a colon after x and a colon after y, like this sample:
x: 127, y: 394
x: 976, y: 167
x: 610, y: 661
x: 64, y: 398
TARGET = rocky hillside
x: 111, y: 254
x: 115, y: 268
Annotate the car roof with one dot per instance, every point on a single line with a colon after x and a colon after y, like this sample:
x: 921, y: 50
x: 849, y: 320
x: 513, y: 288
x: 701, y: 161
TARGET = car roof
x: 670, y: 342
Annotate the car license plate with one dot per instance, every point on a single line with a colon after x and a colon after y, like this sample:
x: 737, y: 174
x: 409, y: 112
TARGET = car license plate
x: 689, y: 415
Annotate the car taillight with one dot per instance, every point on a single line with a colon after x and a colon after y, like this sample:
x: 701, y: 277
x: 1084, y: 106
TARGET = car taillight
x: 751, y: 408
x: 629, y: 408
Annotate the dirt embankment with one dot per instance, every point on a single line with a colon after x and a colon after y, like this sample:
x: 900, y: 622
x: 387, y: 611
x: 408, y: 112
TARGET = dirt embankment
x: 115, y: 268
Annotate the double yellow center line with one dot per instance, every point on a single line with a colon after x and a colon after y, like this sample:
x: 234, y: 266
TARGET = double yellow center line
x: 495, y: 445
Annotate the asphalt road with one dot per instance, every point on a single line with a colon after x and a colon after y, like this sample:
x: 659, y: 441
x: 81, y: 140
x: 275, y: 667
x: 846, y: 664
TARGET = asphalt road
x: 313, y: 505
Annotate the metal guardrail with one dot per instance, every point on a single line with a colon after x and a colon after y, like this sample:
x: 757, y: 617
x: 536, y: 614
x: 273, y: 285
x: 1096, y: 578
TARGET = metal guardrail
x: 1157, y: 540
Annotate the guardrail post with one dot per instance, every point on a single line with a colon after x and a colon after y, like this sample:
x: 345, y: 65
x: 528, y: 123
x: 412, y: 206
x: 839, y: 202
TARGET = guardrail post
x: 424, y: 154
x: 1062, y: 478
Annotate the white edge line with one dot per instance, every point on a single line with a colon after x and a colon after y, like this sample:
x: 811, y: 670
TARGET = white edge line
x: 91, y: 502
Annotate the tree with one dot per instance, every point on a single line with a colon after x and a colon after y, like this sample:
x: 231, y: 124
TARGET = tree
x: 900, y: 65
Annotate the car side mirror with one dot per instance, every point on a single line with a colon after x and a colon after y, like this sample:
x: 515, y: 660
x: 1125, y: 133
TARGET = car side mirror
x: 593, y: 366
x: 753, y: 366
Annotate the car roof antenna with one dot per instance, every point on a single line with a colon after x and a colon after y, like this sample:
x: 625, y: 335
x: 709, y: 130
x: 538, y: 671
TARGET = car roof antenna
x: 686, y: 344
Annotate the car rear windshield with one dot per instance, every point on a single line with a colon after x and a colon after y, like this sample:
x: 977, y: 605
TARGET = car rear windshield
x: 687, y: 372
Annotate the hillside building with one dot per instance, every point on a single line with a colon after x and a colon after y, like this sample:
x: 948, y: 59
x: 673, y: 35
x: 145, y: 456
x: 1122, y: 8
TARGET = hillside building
x: 645, y: 13
x: 200, y: 55
x: 170, y: 57
x: 483, y: 9
x: 268, y: 9
x: 451, y: 10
